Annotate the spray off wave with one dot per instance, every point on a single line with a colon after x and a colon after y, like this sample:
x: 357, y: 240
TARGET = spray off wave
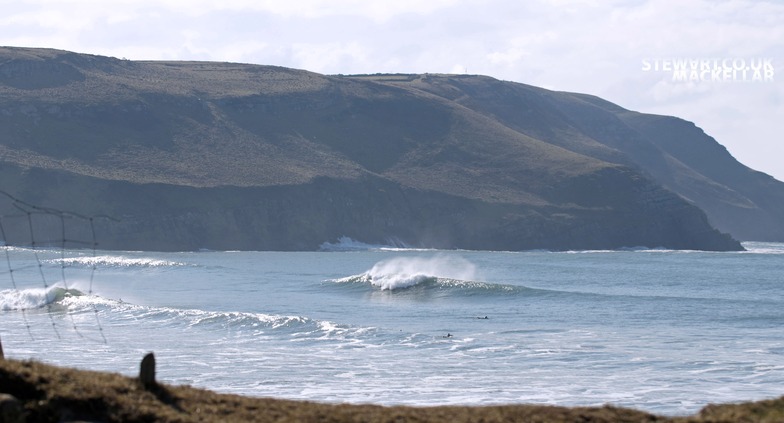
x: 405, y: 272
x: 345, y: 243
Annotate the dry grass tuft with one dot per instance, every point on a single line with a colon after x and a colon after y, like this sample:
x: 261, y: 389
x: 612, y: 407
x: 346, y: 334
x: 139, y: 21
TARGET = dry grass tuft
x: 51, y: 394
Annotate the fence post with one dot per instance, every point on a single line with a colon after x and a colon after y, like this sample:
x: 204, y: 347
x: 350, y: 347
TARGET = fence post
x: 147, y: 371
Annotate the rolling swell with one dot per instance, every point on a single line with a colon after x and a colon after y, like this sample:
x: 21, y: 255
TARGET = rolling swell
x: 247, y: 323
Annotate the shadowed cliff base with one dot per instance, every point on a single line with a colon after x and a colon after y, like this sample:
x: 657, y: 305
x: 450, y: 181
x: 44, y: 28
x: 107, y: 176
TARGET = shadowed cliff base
x: 372, y: 210
x: 46, y: 393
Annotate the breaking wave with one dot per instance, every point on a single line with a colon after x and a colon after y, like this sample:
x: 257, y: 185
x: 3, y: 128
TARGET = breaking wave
x: 405, y: 272
x: 403, y: 282
x: 442, y: 273
x: 32, y: 298
x: 118, y: 312
x: 345, y: 243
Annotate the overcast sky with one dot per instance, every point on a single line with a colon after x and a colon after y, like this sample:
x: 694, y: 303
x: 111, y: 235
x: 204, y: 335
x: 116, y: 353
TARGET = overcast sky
x: 609, y: 48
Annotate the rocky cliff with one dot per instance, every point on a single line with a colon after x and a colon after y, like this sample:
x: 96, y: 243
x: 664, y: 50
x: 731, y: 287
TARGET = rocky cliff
x: 189, y: 155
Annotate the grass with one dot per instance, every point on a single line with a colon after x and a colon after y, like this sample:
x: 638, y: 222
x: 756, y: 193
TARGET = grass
x: 52, y: 394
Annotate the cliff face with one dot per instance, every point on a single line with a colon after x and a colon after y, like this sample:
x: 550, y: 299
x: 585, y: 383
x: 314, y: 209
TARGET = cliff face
x: 230, y: 156
x: 738, y: 200
x: 673, y: 152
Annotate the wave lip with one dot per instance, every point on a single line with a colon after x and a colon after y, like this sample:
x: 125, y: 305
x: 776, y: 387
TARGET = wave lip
x: 390, y: 282
x: 404, y: 272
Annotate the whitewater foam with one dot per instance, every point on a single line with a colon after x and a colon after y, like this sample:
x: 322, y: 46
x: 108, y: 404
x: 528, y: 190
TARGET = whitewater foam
x: 405, y: 272
x: 345, y: 243
x: 114, y: 261
x: 763, y: 248
x: 31, y: 298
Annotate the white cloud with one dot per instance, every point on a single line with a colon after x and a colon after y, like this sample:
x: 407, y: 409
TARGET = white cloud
x: 377, y: 10
x: 328, y: 58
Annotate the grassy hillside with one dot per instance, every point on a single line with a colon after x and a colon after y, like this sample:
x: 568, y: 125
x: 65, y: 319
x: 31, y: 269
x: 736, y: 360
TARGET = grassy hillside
x: 46, y: 393
x: 675, y: 153
x: 218, y: 155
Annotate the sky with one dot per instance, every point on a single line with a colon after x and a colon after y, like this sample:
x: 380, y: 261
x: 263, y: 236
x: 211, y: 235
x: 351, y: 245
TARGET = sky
x: 717, y: 63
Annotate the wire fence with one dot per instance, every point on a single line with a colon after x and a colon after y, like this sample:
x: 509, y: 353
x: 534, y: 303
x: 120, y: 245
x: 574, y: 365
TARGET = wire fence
x: 28, y: 235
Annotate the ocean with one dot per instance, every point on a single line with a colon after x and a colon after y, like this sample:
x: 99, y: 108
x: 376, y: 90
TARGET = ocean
x: 658, y: 330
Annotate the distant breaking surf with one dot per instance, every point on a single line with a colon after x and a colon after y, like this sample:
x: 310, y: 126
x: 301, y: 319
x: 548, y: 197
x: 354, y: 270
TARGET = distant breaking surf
x: 345, y: 243
x: 405, y: 272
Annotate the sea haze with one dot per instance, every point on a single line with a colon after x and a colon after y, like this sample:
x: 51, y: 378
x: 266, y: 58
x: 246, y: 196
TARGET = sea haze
x: 666, y: 331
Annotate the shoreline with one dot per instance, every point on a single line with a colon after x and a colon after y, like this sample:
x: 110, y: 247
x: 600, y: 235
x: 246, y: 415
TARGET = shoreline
x: 46, y: 392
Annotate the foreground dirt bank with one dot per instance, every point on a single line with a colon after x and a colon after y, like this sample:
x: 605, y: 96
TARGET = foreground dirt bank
x: 46, y: 393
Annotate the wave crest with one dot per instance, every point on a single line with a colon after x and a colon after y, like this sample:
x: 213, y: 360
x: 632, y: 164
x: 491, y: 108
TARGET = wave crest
x: 255, y: 324
x: 31, y: 298
x: 406, y: 272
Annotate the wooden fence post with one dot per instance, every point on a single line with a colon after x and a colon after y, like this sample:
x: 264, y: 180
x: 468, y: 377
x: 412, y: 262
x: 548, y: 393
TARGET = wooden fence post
x: 147, y: 371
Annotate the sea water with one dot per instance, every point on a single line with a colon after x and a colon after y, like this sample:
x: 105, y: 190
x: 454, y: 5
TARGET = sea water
x: 659, y: 330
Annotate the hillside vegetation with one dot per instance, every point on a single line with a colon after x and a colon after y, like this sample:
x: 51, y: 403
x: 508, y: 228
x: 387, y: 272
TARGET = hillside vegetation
x: 45, y: 393
x: 190, y: 155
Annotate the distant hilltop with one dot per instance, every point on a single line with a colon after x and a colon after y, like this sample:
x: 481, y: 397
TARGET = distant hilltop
x: 189, y: 155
